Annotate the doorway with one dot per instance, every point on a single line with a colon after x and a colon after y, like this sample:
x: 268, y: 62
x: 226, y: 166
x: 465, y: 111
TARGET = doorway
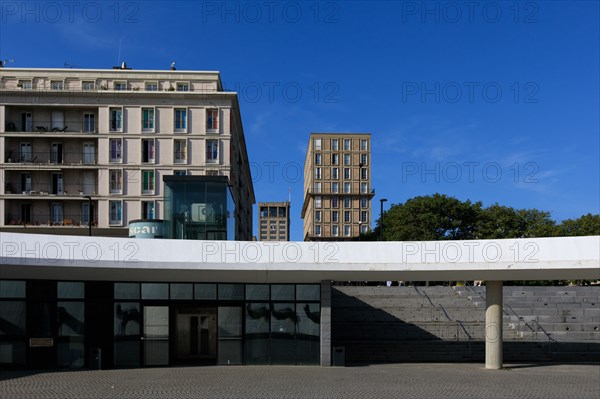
x: 195, y: 335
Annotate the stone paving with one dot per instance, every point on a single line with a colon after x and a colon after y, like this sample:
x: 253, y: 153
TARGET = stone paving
x: 374, y: 381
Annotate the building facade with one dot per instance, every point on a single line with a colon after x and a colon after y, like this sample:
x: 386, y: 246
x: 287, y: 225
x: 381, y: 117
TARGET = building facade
x: 74, y: 139
x: 274, y: 221
x: 337, y: 186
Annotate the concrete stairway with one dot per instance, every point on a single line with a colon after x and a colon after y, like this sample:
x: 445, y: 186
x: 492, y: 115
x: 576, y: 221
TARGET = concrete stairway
x: 403, y: 324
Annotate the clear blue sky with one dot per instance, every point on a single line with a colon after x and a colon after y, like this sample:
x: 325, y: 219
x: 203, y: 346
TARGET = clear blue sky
x: 496, y: 101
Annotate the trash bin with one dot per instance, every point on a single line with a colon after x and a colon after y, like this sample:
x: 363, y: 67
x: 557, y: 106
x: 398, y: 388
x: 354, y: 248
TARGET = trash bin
x: 339, y: 356
x: 95, y: 359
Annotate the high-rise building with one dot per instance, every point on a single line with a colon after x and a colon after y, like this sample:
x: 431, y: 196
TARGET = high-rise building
x: 274, y: 221
x: 75, y: 140
x: 337, y: 186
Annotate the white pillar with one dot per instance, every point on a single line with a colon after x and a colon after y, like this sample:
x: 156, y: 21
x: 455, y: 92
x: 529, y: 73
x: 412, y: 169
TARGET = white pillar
x: 493, y: 325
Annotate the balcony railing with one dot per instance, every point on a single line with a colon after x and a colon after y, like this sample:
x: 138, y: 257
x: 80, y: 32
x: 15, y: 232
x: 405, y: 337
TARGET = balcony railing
x: 47, y: 219
x: 51, y: 157
x: 47, y: 126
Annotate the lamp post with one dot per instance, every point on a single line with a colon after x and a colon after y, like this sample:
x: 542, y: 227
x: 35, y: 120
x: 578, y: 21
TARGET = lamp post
x: 382, y: 200
x: 90, y: 214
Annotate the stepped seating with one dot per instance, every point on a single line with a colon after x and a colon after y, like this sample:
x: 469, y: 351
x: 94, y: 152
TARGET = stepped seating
x: 404, y: 324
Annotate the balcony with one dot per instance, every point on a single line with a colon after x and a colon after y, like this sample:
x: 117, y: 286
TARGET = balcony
x: 53, y: 159
x: 50, y: 128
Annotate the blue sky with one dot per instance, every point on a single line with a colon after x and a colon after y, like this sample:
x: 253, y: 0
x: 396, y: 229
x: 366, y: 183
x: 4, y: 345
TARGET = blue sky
x: 490, y: 101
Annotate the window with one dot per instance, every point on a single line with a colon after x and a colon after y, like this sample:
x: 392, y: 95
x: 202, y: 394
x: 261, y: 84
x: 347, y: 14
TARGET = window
x: 347, y: 202
x: 347, y: 175
x: 89, y: 123
x: 56, y: 85
x: 88, y: 85
x: 151, y: 86
x: 56, y: 210
x: 335, y: 187
x: 116, y: 150
x: 147, y: 119
x: 56, y: 153
x: 89, y: 152
x: 364, y: 145
x: 335, y: 159
x: 335, y: 144
x: 26, y: 182
x: 318, y: 144
x: 318, y: 201
x: 363, y: 159
x: 363, y: 173
x: 364, y: 202
x: 363, y: 216
x: 347, y: 160
x: 347, y: 217
x: 120, y: 85
x: 212, y: 151
x: 363, y: 229
x: 147, y: 182
x: 115, y: 209
x: 335, y: 202
x: 26, y: 152
x: 181, y: 120
x: 116, y: 181
x: 212, y: 120
x: 335, y: 230
x: 363, y: 188
x: 180, y: 148
x: 318, y: 230
x: 148, y: 150
x: 183, y: 86
x: 116, y: 119
x: 180, y: 173
x: 317, y: 173
x: 318, y: 187
x: 318, y: 216
x: 347, y: 146
x: 335, y: 173
x: 346, y: 230
x: 335, y: 216
x: 347, y: 187
x: 25, y: 84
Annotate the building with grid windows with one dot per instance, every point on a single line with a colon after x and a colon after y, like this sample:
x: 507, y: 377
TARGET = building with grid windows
x: 274, y: 221
x: 337, y: 186
x: 100, y: 142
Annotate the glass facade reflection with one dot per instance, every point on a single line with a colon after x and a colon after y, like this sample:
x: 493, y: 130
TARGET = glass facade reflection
x: 137, y: 324
x: 198, y: 208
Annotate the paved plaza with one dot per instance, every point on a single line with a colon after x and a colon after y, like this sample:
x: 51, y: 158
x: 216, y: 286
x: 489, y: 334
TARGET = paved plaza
x: 374, y: 381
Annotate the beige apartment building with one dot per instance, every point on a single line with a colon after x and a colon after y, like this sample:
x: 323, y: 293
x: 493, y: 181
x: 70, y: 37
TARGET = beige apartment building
x: 337, y: 186
x: 274, y: 221
x: 75, y: 138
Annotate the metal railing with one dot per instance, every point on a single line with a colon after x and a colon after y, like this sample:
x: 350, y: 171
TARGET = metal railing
x: 51, y: 157
x: 47, y: 126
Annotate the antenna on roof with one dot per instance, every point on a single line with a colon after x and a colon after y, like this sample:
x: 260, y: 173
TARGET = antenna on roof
x: 173, y: 66
x: 5, y: 62
x: 67, y: 65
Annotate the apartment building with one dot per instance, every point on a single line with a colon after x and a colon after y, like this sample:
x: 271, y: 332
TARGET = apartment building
x: 337, y: 186
x: 102, y: 140
x: 274, y: 221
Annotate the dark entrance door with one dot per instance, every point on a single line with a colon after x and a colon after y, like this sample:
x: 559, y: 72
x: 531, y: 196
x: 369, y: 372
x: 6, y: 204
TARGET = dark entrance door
x: 195, y: 335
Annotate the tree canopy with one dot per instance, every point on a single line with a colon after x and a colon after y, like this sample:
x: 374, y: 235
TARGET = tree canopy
x: 440, y: 217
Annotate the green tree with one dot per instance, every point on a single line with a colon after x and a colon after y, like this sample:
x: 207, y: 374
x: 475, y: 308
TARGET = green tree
x: 586, y: 225
x: 435, y: 217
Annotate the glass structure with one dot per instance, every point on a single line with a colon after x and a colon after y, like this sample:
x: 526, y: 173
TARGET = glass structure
x: 198, y: 208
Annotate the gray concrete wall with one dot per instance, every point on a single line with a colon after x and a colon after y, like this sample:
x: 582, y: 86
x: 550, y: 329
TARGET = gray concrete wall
x: 403, y: 324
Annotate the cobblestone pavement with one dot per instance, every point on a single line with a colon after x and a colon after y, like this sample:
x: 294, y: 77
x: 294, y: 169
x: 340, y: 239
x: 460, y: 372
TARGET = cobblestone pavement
x: 375, y: 381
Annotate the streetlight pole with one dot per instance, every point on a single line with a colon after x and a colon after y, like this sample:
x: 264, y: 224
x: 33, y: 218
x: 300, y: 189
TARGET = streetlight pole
x: 90, y: 215
x: 382, y: 200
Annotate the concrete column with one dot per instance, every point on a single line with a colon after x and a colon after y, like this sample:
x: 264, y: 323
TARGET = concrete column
x: 493, y: 325
x: 325, y: 323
